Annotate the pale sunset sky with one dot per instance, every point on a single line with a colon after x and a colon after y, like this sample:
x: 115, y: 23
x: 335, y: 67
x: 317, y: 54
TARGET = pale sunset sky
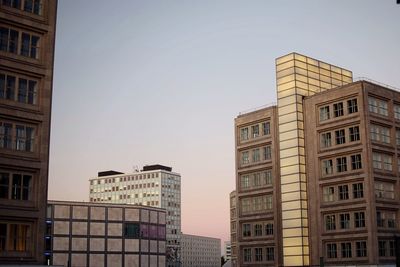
x: 160, y: 82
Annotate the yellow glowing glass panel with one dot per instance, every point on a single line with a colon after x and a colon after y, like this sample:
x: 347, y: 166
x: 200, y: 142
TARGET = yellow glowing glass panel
x: 284, y: 58
x: 289, y: 143
x: 288, y: 152
x: 301, y: 78
x: 292, y: 214
x: 292, y: 241
x: 289, y: 170
x: 287, y: 127
x: 301, y: 71
x: 290, y: 161
x: 313, y: 81
x: 291, y: 223
x: 324, y: 65
x: 312, y: 61
x: 336, y: 69
x: 300, y: 57
x: 293, y: 261
x: 291, y: 196
x: 313, y: 68
x: 303, y: 92
x: 291, y: 205
x: 288, y: 118
x: 293, y: 251
x: 289, y: 135
x: 300, y: 64
x: 347, y: 73
x: 287, y: 100
x: 286, y: 86
x: 292, y: 232
x: 290, y: 178
x: 286, y: 93
x: 285, y: 72
x: 313, y: 75
x: 287, y: 109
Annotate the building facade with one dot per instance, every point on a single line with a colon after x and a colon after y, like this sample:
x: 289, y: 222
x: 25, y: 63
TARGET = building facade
x: 101, y: 235
x: 336, y: 170
x: 155, y: 186
x: 200, y: 251
x: 233, y: 227
x: 27, y: 36
x: 227, y: 250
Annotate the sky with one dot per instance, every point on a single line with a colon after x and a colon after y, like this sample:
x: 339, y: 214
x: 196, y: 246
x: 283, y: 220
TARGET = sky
x: 160, y: 82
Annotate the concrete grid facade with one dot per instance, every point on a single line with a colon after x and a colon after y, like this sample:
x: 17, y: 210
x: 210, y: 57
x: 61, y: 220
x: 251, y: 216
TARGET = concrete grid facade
x: 200, y: 251
x: 337, y: 173
x: 158, y: 187
x: 101, y: 235
x: 27, y: 35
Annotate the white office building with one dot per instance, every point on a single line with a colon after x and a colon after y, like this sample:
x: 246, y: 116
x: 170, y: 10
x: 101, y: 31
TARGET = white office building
x: 200, y: 251
x: 155, y: 186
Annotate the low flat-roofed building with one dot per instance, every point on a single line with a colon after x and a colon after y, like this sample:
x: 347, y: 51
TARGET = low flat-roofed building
x: 200, y: 251
x: 101, y: 235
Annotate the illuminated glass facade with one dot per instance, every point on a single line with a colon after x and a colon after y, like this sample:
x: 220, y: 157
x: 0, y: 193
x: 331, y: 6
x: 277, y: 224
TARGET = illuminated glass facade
x: 298, y: 76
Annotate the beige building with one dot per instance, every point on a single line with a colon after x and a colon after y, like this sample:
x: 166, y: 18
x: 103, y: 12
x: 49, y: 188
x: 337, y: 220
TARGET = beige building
x: 27, y: 35
x: 200, y: 251
x: 105, y: 235
x: 331, y: 149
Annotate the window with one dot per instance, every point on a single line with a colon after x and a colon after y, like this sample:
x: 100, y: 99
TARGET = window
x: 269, y: 229
x: 324, y: 113
x: 330, y: 223
x: 270, y: 253
x: 4, y: 185
x: 398, y: 137
x: 331, y: 250
x: 380, y: 133
x: 266, y: 127
x: 361, y: 249
x: 378, y: 106
x: 346, y: 249
x: 354, y: 133
x: 245, y: 157
x: 267, y: 177
x: 382, y: 161
x: 267, y: 152
x: 384, y: 190
x: 387, y: 162
x: 392, y: 248
x: 12, y: 3
x: 256, y: 155
x: 257, y: 179
x: 29, y: 45
x: 380, y: 219
x: 258, y: 229
x: 15, y: 237
x: 338, y: 109
x: 8, y: 40
x: 327, y: 167
x: 340, y: 137
x: 326, y: 140
x: 352, y: 106
x: 329, y: 192
x: 391, y: 220
x: 258, y: 254
x: 246, y: 205
x: 356, y: 162
x: 244, y: 134
x: 343, y: 192
x: 245, y: 181
x: 246, y: 230
x: 7, y: 86
x: 382, y: 248
x: 267, y: 202
x: 15, y: 186
x: 255, y: 130
x: 6, y: 135
x: 344, y: 220
x: 33, y: 6
x: 247, y: 255
x: 358, y: 191
x: 359, y: 219
x: 24, y: 138
x: 131, y: 230
x: 397, y: 111
x: 341, y: 164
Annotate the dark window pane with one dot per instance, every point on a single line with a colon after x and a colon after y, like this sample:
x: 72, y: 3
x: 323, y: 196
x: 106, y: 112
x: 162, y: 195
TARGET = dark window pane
x: 28, y: 6
x: 3, y: 236
x: 13, y: 44
x: 10, y: 89
x: 16, y: 186
x: 36, y: 7
x: 26, y: 38
x: 22, y: 90
x: 2, y: 85
x: 26, y: 187
x: 32, y: 92
x: 132, y: 230
x: 4, y: 184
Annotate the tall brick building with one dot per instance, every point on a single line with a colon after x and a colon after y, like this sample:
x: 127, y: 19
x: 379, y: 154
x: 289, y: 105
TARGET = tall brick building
x: 27, y: 35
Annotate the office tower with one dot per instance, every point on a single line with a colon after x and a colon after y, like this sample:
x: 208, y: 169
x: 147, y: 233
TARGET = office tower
x: 336, y: 174
x: 27, y: 36
x: 104, y: 235
x: 200, y: 251
x: 155, y: 186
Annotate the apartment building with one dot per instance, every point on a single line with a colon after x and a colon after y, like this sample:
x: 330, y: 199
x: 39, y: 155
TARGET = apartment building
x: 101, y: 235
x: 200, y: 251
x: 27, y: 36
x: 154, y: 186
x: 336, y: 170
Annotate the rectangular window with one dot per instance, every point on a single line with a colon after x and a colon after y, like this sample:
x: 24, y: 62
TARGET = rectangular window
x: 267, y: 177
x: 12, y: 3
x: 267, y: 202
x: 331, y: 251
x: 343, y: 192
x: 380, y: 133
x: 358, y: 190
x: 346, y: 249
x: 266, y: 128
x: 4, y: 185
x: 391, y: 220
x: 341, y: 164
x: 352, y: 106
x: 267, y: 152
x: 338, y: 109
x: 270, y: 253
x: 326, y: 140
x: 245, y: 157
x: 24, y: 138
x: 324, y: 113
x: 396, y: 111
x: 269, y: 229
x: 380, y: 219
x: 392, y: 248
x: 387, y: 162
x: 247, y: 255
x: 330, y: 223
x: 256, y: 155
x: 382, y: 248
x: 258, y: 252
x: 377, y: 160
x: 245, y: 181
x: 245, y: 206
x: 344, y: 220
x: 398, y: 137
x: 258, y: 229
x: 246, y: 230
x: 340, y: 137
x: 132, y: 230
x: 361, y: 249
x: 29, y: 45
x: 21, y: 187
x: 33, y: 6
x: 327, y: 167
x: 359, y: 219
x: 7, y: 86
x: 384, y: 190
x: 255, y: 131
x: 354, y: 134
x: 5, y: 135
x: 356, y: 162
x: 244, y: 134
x: 378, y: 106
x: 8, y: 40
x: 329, y: 193
x: 15, y: 237
x: 257, y: 179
